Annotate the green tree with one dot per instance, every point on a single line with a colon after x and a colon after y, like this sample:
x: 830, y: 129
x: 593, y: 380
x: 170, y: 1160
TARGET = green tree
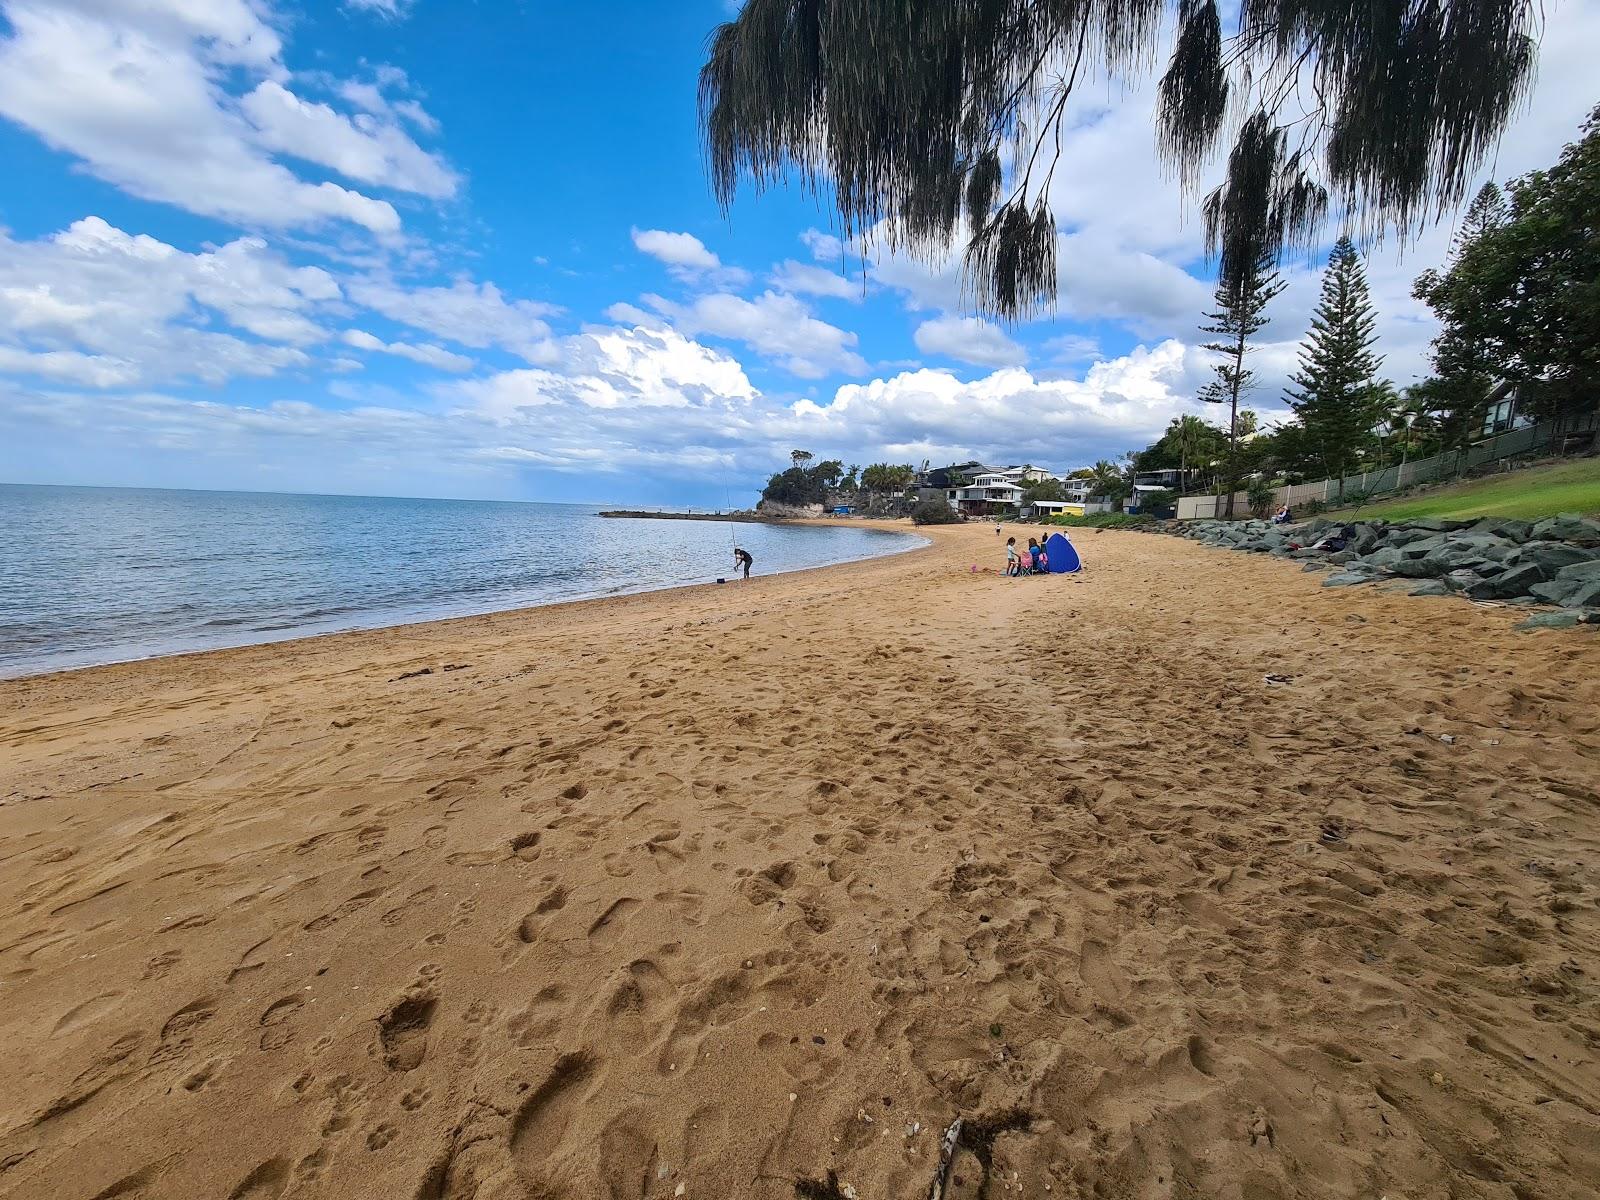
x: 886, y: 479
x: 1520, y: 298
x: 1466, y: 358
x: 1109, y: 481
x: 925, y: 124
x: 1335, y: 395
x: 1042, y: 489
x: 1241, y: 313
x: 801, y: 485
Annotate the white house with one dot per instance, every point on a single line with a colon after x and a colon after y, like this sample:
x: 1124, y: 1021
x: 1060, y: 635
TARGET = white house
x: 986, y: 494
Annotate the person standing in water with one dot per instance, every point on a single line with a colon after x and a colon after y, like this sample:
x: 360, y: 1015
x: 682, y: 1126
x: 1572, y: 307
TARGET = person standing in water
x: 741, y: 558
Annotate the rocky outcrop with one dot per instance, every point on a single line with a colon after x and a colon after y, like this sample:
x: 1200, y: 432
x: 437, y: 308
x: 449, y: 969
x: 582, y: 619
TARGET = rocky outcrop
x: 773, y: 510
x: 1554, y: 562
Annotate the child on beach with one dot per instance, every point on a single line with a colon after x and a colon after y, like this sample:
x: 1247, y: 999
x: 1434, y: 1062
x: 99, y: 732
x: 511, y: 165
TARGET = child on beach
x: 1013, y: 559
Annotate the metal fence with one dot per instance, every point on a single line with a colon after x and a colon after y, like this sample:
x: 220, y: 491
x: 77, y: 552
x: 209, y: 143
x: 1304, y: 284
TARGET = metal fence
x: 1546, y: 435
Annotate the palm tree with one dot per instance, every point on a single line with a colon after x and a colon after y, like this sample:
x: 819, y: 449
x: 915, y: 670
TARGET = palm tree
x: 1107, y: 479
x: 1190, y: 436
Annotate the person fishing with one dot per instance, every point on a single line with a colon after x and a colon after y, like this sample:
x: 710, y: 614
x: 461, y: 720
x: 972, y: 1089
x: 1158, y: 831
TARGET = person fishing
x: 741, y: 558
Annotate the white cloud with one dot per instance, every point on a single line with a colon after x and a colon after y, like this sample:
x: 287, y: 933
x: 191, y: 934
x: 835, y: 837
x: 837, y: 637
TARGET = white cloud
x: 776, y: 326
x: 1009, y: 414
x: 137, y: 93
x: 469, y: 314
x: 363, y: 148
x: 969, y: 340
x: 145, y: 306
x: 1072, y: 347
x: 68, y: 366
x: 676, y: 249
x: 390, y: 9
x: 687, y: 257
x: 791, y: 276
x: 614, y: 369
x: 427, y: 355
x: 824, y: 247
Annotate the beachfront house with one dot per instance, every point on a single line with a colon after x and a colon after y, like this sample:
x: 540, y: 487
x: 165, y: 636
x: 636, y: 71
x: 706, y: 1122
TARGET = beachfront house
x: 1146, y: 483
x: 987, y: 495
x: 1077, y: 491
x: 1044, y: 509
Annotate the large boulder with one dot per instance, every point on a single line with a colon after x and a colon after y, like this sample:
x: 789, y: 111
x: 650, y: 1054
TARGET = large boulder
x: 1419, y: 568
x: 1588, y: 570
x: 1513, y: 582
x: 1509, y: 528
x: 1433, y: 587
x: 1568, y: 527
x: 1555, y: 591
x: 1551, y: 555
x: 1425, y: 546
x: 1550, y: 620
x: 1348, y: 579
x: 1462, y: 581
x: 1587, y: 595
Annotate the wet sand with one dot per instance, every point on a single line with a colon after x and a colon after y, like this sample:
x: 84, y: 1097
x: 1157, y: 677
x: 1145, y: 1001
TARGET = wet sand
x: 701, y: 893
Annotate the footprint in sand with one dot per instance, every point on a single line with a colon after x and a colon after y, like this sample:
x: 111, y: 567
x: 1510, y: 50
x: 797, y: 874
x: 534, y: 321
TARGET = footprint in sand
x: 529, y: 927
x: 85, y: 1013
x: 540, y: 1019
x: 539, y: 1129
x: 1105, y: 979
x: 351, y: 906
x: 266, y: 1182
x: 403, y: 1031
x: 177, y: 1035
x: 277, y: 1029
x: 609, y: 924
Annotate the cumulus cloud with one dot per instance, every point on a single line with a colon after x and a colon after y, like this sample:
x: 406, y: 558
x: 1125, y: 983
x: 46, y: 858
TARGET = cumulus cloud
x: 139, y: 95
x: 776, y: 326
x: 687, y: 258
x: 427, y: 355
x: 969, y: 340
x: 614, y: 400
x: 803, y: 278
x: 470, y: 314
x: 362, y: 148
x: 141, y: 308
x: 676, y: 249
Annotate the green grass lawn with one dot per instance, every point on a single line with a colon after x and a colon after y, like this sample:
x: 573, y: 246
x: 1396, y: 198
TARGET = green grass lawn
x: 1531, y: 493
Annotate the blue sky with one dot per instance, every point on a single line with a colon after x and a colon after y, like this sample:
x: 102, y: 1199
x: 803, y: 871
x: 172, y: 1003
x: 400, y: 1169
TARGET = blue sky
x: 468, y: 249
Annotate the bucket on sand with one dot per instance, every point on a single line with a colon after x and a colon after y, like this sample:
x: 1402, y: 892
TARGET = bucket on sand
x: 722, y: 580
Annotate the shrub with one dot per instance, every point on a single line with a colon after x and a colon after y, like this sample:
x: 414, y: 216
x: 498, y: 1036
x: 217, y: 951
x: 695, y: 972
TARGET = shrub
x: 1260, y: 494
x: 934, y: 512
x: 1311, y: 508
x: 1158, y: 502
x: 1105, y: 521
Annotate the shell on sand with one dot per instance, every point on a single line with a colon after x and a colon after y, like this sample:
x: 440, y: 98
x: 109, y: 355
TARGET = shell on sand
x: 705, y: 892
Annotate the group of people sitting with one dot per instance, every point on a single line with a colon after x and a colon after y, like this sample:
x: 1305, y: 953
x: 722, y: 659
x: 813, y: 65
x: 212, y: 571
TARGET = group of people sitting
x: 1028, y: 560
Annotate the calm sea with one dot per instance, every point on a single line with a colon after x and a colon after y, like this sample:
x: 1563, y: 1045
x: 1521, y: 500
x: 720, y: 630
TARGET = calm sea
x: 96, y: 575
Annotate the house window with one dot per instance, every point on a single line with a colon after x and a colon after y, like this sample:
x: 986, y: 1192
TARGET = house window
x: 1500, y: 417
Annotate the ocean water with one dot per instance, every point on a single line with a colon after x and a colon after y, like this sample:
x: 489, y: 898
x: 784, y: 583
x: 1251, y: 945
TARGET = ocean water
x: 97, y: 575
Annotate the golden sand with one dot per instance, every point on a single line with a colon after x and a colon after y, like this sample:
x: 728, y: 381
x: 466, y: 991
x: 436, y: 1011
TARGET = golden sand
x: 702, y: 892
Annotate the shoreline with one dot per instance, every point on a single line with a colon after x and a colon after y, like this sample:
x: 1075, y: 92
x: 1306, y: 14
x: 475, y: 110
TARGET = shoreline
x: 670, y: 893
x: 914, y: 541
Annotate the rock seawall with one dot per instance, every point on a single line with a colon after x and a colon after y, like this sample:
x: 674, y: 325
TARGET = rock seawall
x: 1553, y: 563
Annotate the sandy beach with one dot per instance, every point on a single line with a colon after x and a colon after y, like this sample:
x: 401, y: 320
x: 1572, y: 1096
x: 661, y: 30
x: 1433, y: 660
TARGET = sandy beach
x: 706, y: 892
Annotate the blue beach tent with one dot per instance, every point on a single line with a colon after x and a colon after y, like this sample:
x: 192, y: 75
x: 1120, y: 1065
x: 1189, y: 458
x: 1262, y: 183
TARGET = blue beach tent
x: 1063, y: 555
